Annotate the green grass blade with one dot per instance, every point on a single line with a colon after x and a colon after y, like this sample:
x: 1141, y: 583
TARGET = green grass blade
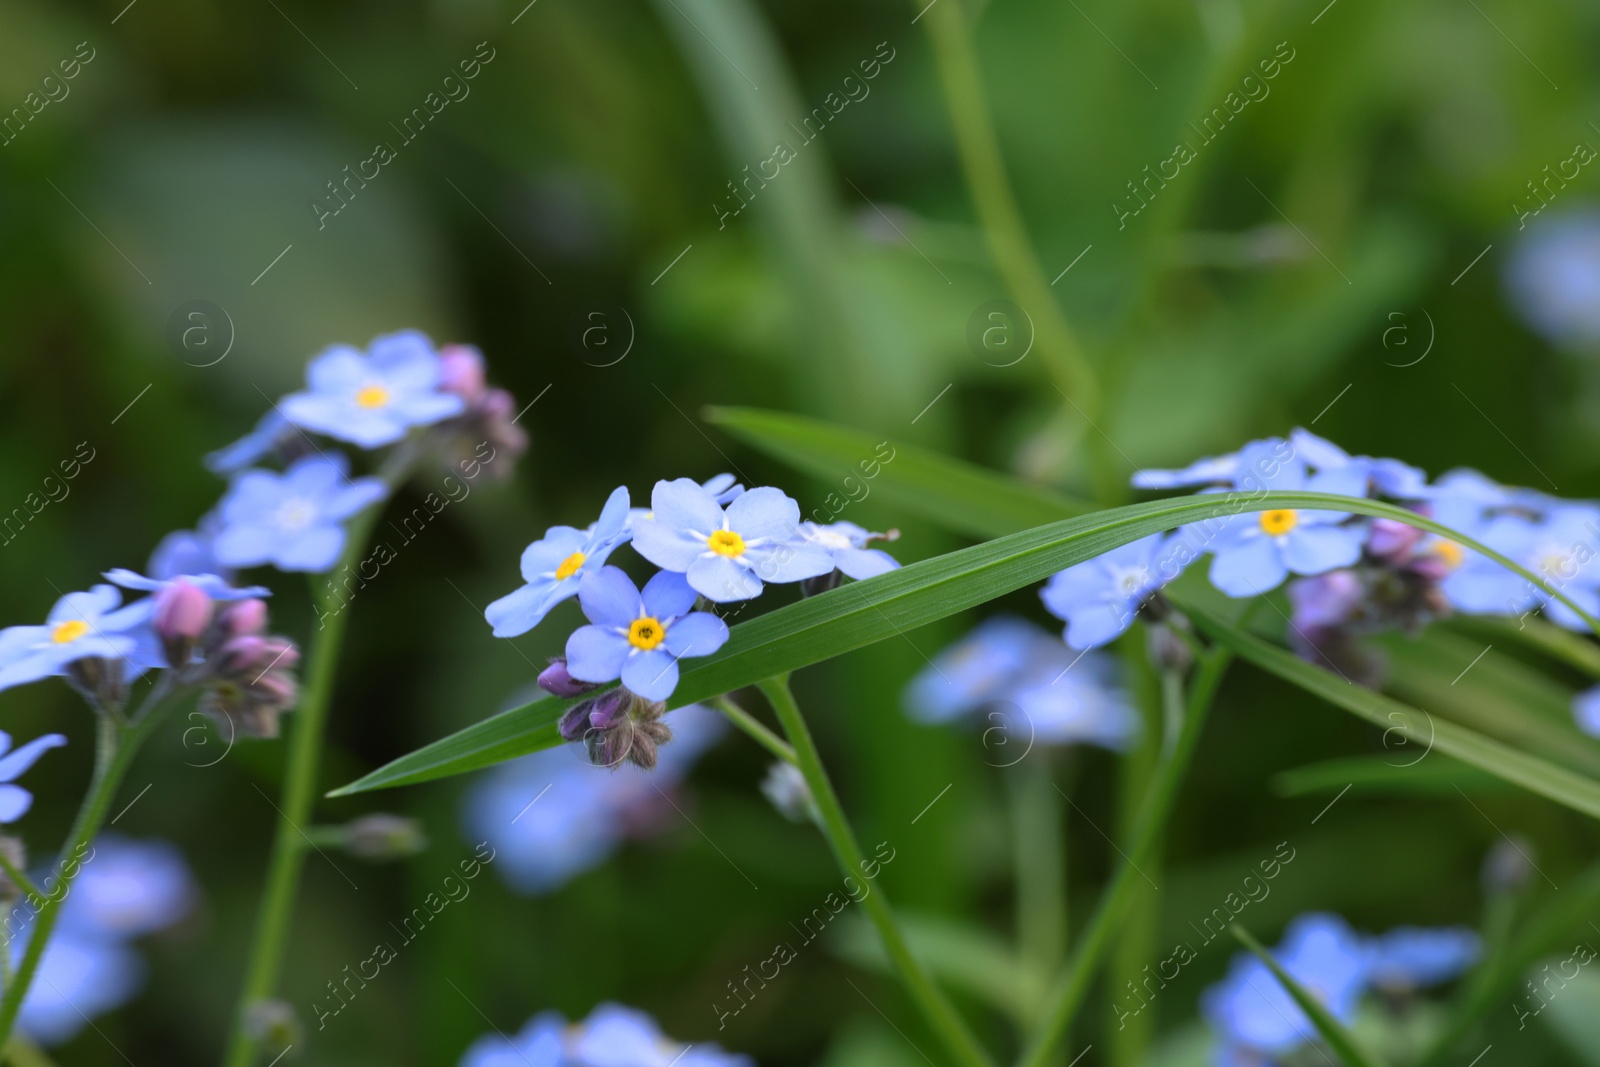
x: 1393, y: 775
x: 1333, y: 1032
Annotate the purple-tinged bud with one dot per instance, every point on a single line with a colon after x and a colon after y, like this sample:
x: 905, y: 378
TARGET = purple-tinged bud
x: 1326, y: 599
x: 555, y: 679
x: 253, y: 655
x: 182, y: 613
x: 575, y: 722
x: 243, y: 617
x: 461, y: 372
x: 1393, y: 541
x: 610, y: 708
x: 497, y: 405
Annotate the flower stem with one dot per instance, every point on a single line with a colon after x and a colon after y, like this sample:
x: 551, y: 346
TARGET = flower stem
x: 753, y: 726
x: 115, y: 747
x: 1040, y: 863
x: 940, y: 1013
x: 22, y: 882
x: 308, y: 725
x: 1070, y: 988
x: 20, y: 1052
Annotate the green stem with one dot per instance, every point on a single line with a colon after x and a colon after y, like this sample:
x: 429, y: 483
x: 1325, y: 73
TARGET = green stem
x: 115, y: 748
x: 757, y: 731
x: 1068, y: 993
x: 308, y: 724
x: 1041, y: 870
x: 21, y: 881
x: 939, y: 1012
x: 20, y: 1052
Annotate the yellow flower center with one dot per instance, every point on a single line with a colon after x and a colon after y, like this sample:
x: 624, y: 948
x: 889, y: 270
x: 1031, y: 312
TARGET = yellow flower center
x: 1450, y: 552
x: 67, y: 632
x: 570, y: 565
x: 726, y: 543
x: 1278, y: 522
x: 372, y: 396
x: 646, y: 633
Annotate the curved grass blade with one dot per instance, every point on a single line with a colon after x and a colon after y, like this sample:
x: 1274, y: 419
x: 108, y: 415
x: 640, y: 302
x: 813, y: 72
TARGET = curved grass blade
x: 1333, y: 1032
x: 1386, y: 776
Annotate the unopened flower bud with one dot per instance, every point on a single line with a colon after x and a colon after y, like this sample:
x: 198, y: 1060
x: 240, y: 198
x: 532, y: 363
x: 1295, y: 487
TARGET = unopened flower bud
x: 1509, y: 867
x: 555, y: 679
x: 17, y: 855
x: 243, y: 617
x: 102, y: 682
x: 273, y: 1024
x: 381, y: 836
x: 461, y: 372
x: 786, y: 787
x: 1167, y: 649
x: 618, y: 725
x: 182, y: 612
x: 1392, y: 541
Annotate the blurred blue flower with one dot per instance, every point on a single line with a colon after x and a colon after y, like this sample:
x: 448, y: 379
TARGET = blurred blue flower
x: 374, y: 398
x: 1414, y: 957
x: 1213, y: 470
x: 292, y: 520
x: 79, y: 626
x: 727, y: 555
x: 552, y: 815
x: 724, y: 489
x: 612, y: 1036
x: 1033, y: 688
x: 15, y: 800
x: 553, y: 566
x: 847, y: 544
x: 1099, y: 597
x: 1553, y: 278
x: 1249, y: 1008
x: 208, y: 582
x: 189, y: 552
x: 1586, y: 711
x: 1259, y: 549
x: 1383, y: 477
x: 267, y: 438
x: 639, y: 636
x: 78, y: 978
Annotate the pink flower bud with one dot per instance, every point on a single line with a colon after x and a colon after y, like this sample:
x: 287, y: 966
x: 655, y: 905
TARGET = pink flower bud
x: 244, y: 617
x: 461, y: 372
x: 497, y: 404
x: 182, y: 612
x: 555, y: 679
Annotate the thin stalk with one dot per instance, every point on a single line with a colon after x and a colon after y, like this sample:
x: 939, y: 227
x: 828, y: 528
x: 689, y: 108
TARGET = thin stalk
x: 1067, y: 995
x: 20, y: 1052
x: 21, y: 881
x: 936, y: 1008
x: 1007, y: 236
x: 115, y: 748
x: 1040, y: 863
x: 308, y: 724
x: 756, y: 729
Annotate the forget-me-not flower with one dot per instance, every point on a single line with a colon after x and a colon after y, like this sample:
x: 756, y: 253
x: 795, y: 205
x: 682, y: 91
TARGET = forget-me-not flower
x: 15, y: 800
x: 79, y: 626
x: 373, y: 398
x: 292, y: 520
x: 724, y: 489
x: 612, y: 1036
x: 980, y: 668
x: 1099, y: 597
x: 727, y: 555
x: 1586, y: 711
x: 847, y: 544
x: 78, y: 978
x: 189, y: 552
x: 639, y: 636
x: 1414, y: 957
x: 1553, y: 278
x: 271, y: 433
x: 553, y: 566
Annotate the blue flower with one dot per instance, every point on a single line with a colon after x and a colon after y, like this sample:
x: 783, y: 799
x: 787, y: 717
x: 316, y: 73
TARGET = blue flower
x: 612, y: 1036
x: 80, y: 626
x: 373, y: 399
x: 1553, y: 278
x: 1259, y: 549
x: 1385, y: 477
x: 978, y: 669
x: 78, y: 978
x: 551, y: 816
x: 189, y: 552
x: 553, y: 566
x: 847, y: 544
x: 1412, y: 957
x: 727, y: 555
x: 15, y: 800
x: 1213, y: 470
x: 128, y: 888
x: 1075, y: 698
x: 292, y: 520
x: 539, y: 1044
x: 1586, y: 711
x: 1099, y: 597
x: 722, y: 487
x: 265, y: 440
x: 210, y: 584
x: 639, y: 637
x: 1249, y: 1008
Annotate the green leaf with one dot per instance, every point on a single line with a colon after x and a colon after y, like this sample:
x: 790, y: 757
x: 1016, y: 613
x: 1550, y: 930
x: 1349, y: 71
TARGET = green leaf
x: 1332, y: 1031
x: 1530, y: 772
x: 1385, y: 775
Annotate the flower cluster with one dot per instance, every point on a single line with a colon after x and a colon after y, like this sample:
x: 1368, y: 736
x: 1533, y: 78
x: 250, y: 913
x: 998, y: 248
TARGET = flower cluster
x: 1257, y: 1022
x: 551, y: 817
x: 715, y: 543
x: 1028, y: 686
x: 612, y: 1036
x: 1349, y: 575
x: 125, y: 890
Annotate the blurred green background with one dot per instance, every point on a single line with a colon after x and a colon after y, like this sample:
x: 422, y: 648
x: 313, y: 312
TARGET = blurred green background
x: 594, y: 149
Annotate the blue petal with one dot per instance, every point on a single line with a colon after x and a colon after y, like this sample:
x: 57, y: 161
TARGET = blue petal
x: 683, y: 505
x: 698, y: 634
x: 522, y: 609
x: 720, y: 579
x: 1093, y: 625
x: 245, y: 545
x: 614, y: 516
x: 315, y: 550
x: 653, y: 675
x: 87, y: 606
x: 666, y: 546
x: 26, y: 756
x: 766, y: 513
x: 355, y: 496
x: 667, y: 595
x: 788, y: 561
x: 1248, y: 567
x: 542, y: 558
x: 14, y: 802
x: 609, y: 598
x: 337, y: 368
x: 863, y: 563
x: 596, y: 654
x: 1315, y: 549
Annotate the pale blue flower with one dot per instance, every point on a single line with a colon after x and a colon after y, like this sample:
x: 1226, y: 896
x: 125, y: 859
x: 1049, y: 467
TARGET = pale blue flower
x: 612, y: 1036
x: 1099, y: 597
x: 1414, y: 957
x: 1071, y: 698
x: 78, y: 978
x: 128, y: 888
x: 538, y: 1044
x: 1250, y: 1008
x: 265, y: 440
x: 552, y: 815
x: 639, y: 636
x: 553, y: 566
x: 1586, y: 711
x: 980, y: 668
x: 373, y: 398
x: 209, y: 583
x: 724, y: 489
x: 15, y: 800
x: 1553, y: 278
x: 1384, y: 477
x: 847, y: 544
x: 1213, y: 470
x: 79, y: 626
x: 727, y: 555
x: 292, y: 520
x: 189, y: 552
x: 1259, y: 549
